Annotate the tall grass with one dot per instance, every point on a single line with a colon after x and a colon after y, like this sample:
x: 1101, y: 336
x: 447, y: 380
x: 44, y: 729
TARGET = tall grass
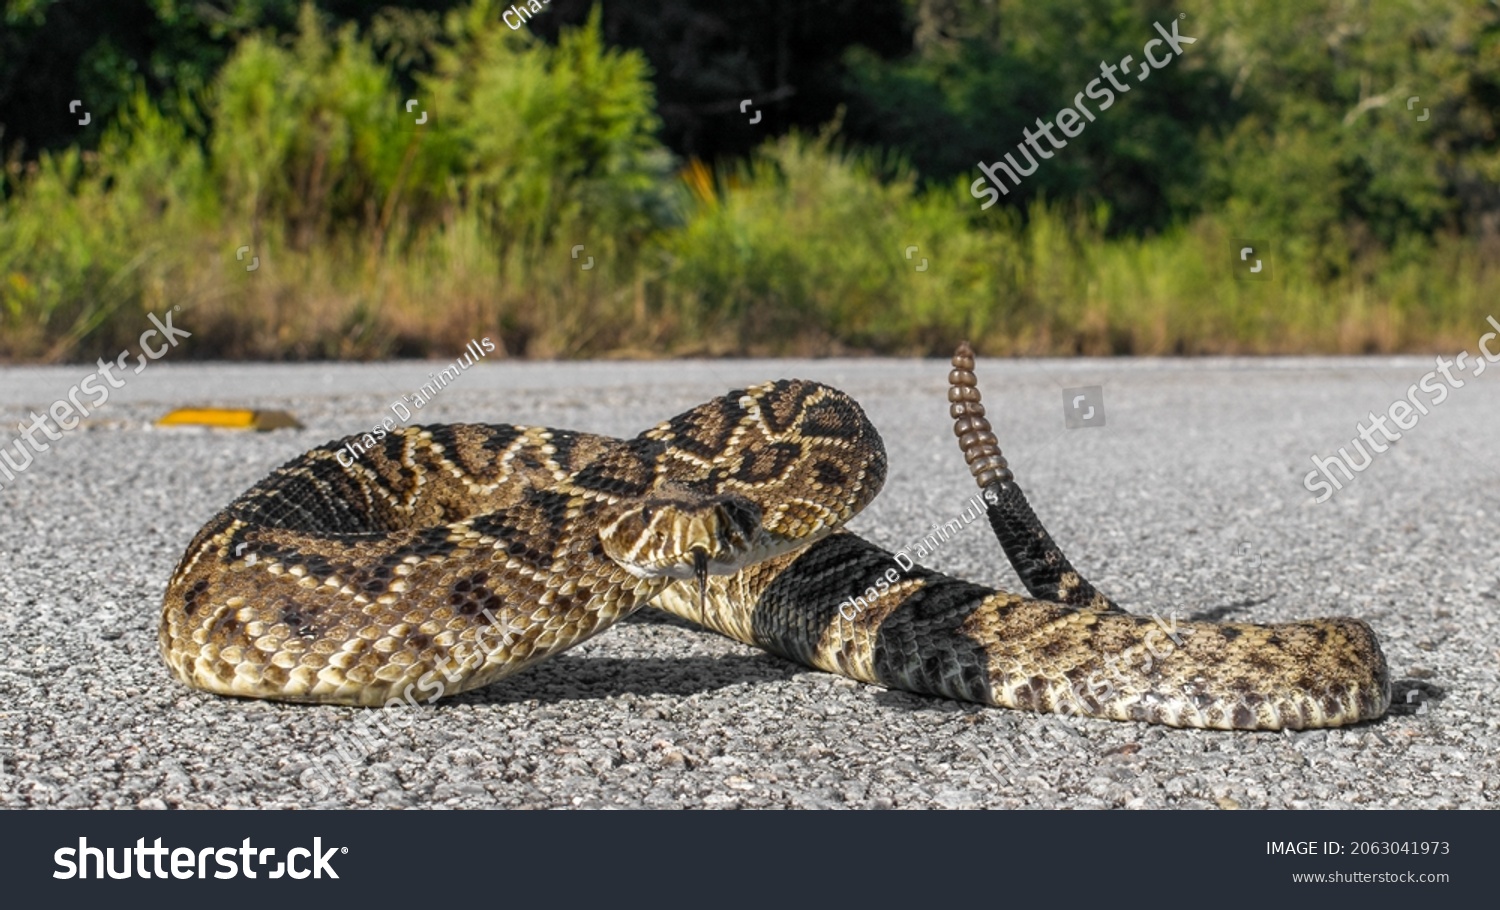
x: 377, y: 236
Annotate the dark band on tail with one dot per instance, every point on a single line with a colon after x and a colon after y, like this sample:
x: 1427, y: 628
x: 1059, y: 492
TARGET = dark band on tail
x: 1041, y: 565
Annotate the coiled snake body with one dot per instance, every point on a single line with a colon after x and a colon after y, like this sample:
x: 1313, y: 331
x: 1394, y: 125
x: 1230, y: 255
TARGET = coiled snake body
x: 447, y: 557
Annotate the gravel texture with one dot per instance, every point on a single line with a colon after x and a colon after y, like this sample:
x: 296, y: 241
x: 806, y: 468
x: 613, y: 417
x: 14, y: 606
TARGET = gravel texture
x: 1188, y: 499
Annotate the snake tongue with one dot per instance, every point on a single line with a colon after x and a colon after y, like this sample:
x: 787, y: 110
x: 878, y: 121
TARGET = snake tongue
x: 700, y: 572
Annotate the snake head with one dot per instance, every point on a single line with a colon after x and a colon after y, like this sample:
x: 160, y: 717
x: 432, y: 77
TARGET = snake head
x: 685, y: 535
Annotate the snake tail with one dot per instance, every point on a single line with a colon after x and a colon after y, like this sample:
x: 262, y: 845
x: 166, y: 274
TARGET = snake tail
x: 1038, y: 560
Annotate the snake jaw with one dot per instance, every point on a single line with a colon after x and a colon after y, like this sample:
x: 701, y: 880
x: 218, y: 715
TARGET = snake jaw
x: 686, y: 535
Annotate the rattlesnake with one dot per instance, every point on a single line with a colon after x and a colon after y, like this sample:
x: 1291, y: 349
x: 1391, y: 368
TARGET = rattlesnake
x: 447, y: 557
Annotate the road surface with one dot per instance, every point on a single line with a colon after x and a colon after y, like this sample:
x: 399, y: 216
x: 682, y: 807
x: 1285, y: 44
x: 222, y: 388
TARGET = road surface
x: 1189, y: 499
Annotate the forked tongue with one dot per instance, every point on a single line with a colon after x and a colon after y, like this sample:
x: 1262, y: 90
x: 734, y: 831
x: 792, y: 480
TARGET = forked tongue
x: 700, y: 572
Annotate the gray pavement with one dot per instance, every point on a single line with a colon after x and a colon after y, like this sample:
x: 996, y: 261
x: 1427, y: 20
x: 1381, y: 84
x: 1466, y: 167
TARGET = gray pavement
x: 1189, y: 499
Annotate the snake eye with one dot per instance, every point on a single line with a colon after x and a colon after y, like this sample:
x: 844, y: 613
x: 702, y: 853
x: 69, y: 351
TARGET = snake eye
x: 646, y: 515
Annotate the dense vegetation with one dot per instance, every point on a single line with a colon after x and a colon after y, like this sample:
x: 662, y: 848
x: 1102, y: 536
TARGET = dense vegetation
x: 217, y: 126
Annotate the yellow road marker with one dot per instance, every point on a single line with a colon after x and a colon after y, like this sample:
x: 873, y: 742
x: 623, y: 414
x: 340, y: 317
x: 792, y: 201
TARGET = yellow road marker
x: 229, y: 419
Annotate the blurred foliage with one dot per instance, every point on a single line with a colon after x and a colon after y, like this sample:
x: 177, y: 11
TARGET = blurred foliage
x: 1289, y: 115
x: 284, y: 128
x: 305, y: 153
x: 986, y: 71
x: 708, y: 56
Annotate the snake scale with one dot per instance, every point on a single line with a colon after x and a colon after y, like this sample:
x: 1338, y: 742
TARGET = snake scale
x: 447, y: 557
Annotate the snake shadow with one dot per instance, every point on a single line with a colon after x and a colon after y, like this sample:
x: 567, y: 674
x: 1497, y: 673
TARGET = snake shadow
x: 1412, y: 697
x: 565, y: 678
x: 569, y: 677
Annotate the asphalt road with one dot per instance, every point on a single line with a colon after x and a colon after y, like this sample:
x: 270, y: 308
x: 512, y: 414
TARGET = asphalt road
x: 1190, y: 499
